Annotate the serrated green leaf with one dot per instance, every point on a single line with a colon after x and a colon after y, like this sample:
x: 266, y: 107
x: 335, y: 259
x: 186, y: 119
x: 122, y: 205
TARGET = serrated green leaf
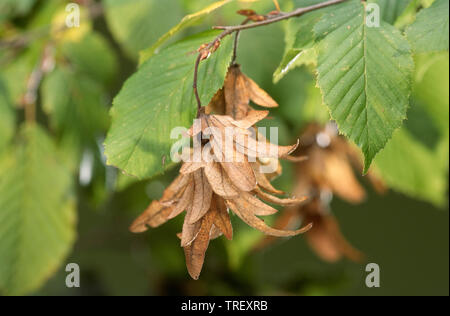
x: 184, y: 23
x: 158, y: 98
x: 37, y: 213
x: 430, y: 31
x: 7, y: 117
x: 136, y: 24
x: 300, y: 39
x: 364, y: 74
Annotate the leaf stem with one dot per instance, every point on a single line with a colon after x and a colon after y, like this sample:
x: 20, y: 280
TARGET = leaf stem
x: 228, y: 30
x: 197, y: 64
x: 279, y: 17
x: 236, y: 42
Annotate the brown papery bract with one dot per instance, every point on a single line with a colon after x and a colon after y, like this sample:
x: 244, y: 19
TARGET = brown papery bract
x: 209, y: 190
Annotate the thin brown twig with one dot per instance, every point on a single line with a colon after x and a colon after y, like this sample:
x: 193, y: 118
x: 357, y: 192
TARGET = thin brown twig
x: 236, y: 42
x: 279, y: 17
x: 197, y: 64
x: 228, y: 30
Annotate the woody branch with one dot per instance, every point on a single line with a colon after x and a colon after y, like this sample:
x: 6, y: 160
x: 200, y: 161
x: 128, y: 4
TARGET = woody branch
x: 211, y: 47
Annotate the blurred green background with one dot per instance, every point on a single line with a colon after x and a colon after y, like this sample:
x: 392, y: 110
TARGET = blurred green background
x: 407, y: 238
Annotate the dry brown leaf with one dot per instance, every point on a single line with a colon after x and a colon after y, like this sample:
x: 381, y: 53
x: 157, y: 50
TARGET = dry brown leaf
x: 217, y: 104
x: 252, y: 117
x: 195, y: 252
x: 202, y: 196
x: 252, y: 204
x: 189, y: 231
x: 219, y: 181
x: 221, y: 122
x: 288, y: 219
x: 227, y: 153
x: 262, y: 180
x: 184, y: 202
x: 259, y: 224
x: 175, y: 188
x: 236, y: 95
x: 241, y: 175
x: 155, y: 215
x: 158, y: 211
x: 235, y: 164
x: 261, y: 149
x: 274, y: 165
x: 222, y: 218
x: 206, y: 189
x: 258, y: 95
x: 215, y: 233
x: 239, y: 90
x: 190, y: 167
x: 273, y: 199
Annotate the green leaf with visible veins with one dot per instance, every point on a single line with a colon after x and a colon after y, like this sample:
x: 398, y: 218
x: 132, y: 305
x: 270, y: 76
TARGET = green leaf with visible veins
x: 158, y: 98
x: 37, y: 213
x: 364, y: 74
x: 430, y: 31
